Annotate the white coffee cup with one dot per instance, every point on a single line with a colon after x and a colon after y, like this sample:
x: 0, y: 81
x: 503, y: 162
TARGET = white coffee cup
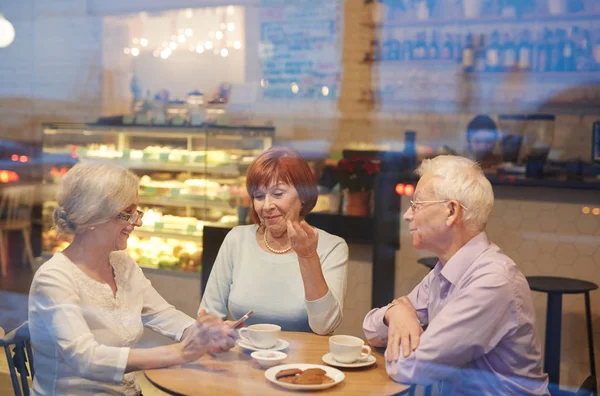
x: 261, y: 335
x: 348, y: 349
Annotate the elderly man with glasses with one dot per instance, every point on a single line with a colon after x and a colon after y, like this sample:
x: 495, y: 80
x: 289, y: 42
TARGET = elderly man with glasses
x: 469, y: 325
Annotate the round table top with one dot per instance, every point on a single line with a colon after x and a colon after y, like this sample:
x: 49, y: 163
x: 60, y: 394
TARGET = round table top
x: 235, y: 373
x: 555, y: 284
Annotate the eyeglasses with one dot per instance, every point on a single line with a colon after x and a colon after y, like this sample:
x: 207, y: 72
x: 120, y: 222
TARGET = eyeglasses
x: 414, y: 207
x: 131, y: 218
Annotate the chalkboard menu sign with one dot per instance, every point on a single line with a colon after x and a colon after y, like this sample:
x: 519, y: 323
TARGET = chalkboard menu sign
x: 300, y: 51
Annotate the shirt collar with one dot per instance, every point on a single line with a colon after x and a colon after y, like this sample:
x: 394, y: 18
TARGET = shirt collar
x: 458, y: 264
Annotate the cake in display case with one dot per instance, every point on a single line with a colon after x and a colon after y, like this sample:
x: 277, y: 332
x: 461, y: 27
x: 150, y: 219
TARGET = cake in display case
x: 189, y: 177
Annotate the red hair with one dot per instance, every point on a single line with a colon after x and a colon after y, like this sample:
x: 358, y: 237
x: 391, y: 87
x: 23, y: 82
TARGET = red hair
x: 282, y: 164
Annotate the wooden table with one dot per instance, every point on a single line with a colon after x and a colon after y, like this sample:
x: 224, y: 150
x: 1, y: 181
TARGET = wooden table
x: 236, y: 373
x: 2, y: 332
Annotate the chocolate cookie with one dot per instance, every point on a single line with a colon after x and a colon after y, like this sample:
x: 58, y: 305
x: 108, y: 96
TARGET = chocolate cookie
x: 314, y: 371
x: 304, y: 379
x: 287, y: 373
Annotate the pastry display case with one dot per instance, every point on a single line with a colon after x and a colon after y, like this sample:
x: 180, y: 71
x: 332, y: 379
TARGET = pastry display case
x: 189, y: 177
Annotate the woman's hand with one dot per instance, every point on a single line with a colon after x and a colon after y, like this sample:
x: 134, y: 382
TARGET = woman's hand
x: 209, y: 332
x: 303, y: 238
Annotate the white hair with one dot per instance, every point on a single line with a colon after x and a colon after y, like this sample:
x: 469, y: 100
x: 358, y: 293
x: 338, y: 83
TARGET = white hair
x: 90, y: 194
x: 463, y: 180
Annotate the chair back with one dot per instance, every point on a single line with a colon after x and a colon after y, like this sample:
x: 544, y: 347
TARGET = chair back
x: 17, y: 204
x: 17, y: 346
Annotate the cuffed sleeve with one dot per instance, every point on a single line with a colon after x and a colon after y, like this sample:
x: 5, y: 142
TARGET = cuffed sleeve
x: 325, y: 314
x: 157, y: 313
x: 376, y: 331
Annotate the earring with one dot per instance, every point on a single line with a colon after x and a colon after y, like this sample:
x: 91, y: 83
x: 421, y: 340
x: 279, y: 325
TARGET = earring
x: 92, y: 228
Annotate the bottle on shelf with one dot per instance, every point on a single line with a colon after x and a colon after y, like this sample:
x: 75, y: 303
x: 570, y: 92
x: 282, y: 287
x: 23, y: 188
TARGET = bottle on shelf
x: 596, y: 52
x: 447, y: 51
x: 557, y: 42
x: 544, y: 52
x: 391, y: 49
x: 433, y: 50
x: 525, y: 52
x: 509, y: 54
x: 480, y: 52
x: 419, y: 51
x: 568, y: 61
x: 468, y: 55
x: 492, y: 54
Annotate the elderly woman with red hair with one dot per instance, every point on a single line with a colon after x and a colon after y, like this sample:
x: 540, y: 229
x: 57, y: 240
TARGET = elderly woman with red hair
x: 286, y: 271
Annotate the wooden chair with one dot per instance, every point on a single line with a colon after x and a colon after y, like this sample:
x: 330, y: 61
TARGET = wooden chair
x: 20, y: 359
x: 15, y: 209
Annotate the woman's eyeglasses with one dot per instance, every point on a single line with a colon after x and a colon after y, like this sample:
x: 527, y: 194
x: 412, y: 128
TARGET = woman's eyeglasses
x: 131, y: 218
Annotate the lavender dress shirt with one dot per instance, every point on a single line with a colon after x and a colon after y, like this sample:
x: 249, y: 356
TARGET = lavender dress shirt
x: 479, y: 325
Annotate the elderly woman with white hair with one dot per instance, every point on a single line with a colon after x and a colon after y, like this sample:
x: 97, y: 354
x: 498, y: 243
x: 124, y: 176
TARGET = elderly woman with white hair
x: 470, y: 323
x: 88, y: 304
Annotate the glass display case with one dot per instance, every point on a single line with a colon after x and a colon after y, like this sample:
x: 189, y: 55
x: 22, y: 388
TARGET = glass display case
x: 189, y: 177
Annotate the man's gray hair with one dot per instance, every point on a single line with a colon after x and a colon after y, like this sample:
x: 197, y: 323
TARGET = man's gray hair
x: 90, y: 194
x: 463, y: 180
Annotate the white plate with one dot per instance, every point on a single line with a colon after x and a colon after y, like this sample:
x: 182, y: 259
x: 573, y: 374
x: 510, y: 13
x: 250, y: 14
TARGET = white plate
x: 281, y: 345
x: 328, y: 358
x: 334, y: 373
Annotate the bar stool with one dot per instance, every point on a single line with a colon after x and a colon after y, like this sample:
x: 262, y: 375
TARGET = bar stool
x: 556, y: 287
x: 428, y: 262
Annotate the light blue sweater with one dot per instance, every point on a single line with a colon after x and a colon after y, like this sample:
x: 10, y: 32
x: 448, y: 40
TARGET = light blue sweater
x: 245, y: 277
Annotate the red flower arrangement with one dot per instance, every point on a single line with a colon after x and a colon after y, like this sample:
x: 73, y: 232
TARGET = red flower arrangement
x: 357, y: 174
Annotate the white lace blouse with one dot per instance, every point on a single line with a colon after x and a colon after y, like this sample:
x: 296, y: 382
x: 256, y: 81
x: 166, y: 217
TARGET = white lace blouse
x: 81, y: 333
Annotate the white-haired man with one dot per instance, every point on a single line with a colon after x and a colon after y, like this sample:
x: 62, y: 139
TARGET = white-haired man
x: 475, y: 305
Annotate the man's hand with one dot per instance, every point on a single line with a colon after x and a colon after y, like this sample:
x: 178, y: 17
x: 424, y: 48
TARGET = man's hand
x: 404, y: 328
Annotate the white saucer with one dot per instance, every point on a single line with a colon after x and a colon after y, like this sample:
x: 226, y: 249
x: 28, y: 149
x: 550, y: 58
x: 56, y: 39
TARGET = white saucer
x: 328, y: 358
x: 281, y: 345
x: 336, y: 375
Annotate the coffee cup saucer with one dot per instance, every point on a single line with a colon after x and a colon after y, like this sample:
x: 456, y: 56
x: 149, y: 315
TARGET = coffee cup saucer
x: 328, y: 359
x: 280, y: 346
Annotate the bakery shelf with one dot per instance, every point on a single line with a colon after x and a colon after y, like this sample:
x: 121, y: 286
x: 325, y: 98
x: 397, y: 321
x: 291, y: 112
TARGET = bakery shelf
x: 227, y: 169
x: 200, y: 202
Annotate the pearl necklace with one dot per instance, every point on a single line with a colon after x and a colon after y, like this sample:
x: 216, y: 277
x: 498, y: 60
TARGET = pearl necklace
x: 282, y: 251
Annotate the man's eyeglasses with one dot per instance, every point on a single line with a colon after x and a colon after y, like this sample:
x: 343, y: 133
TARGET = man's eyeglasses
x: 131, y: 218
x: 414, y: 205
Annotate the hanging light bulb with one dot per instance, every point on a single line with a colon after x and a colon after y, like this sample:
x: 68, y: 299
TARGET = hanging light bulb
x: 126, y: 51
x: 181, y: 38
x: 135, y: 51
x: 237, y: 44
x: 325, y: 90
x: 219, y: 35
x: 189, y: 32
x: 199, y: 48
x: 230, y: 26
x: 165, y: 53
x: 224, y: 52
x: 135, y: 40
x: 208, y: 45
x: 230, y: 10
x: 173, y: 45
x: 295, y: 88
x: 144, y: 42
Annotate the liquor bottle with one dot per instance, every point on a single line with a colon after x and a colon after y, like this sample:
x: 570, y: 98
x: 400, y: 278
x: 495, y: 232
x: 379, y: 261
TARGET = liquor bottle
x: 583, y: 51
x: 509, y: 54
x: 492, y: 54
x: 447, y: 51
x: 433, y: 50
x: 420, y: 50
x: 391, y: 49
x: 596, y: 52
x: 468, y: 55
x: 480, y: 54
x: 525, y: 53
x: 568, y: 61
x: 558, y: 46
x: 544, y: 52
